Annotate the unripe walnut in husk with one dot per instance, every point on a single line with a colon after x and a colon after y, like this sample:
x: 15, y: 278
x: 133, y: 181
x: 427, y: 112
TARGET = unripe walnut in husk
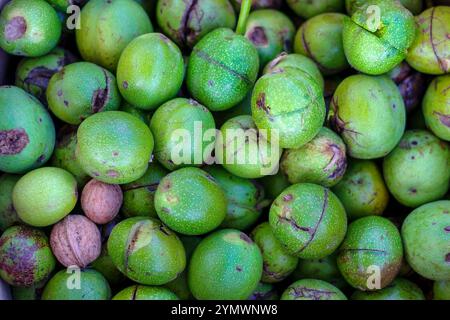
x: 75, y: 241
x: 101, y: 202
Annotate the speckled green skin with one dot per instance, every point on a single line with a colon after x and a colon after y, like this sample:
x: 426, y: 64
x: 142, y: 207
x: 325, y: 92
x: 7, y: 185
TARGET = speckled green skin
x: 277, y: 263
x: 417, y: 171
x: 245, y: 198
x: 138, y: 196
x: 441, y: 290
x: 222, y: 69
x: 80, y: 90
x: 415, y: 6
x: 93, y: 286
x: 64, y: 156
x: 362, y: 191
x: 62, y: 5
x: 307, y: 8
x: 370, y: 241
x: 320, y: 38
x: 146, y: 251
x: 108, y: 27
x: 186, y: 22
x: 106, y: 267
x: 28, y: 129
x: 139, y: 113
x: 180, y: 285
x: 246, y: 158
x: 138, y: 292
x: 377, y: 48
x: 264, y: 291
x: 114, y: 147
x: 312, y: 289
x: 25, y: 256
x: 190, y: 201
x: 429, y: 50
x: 290, y: 102
x: 271, y: 32
x: 426, y: 235
x: 275, y: 184
x: 399, y: 289
x: 378, y: 125
x: 324, y: 269
x: 308, y: 220
x: 296, y: 61
x: 150, y: 71
x: 8, y: 215
x: 176, y: 115
x: 29, y: 28
x: 33, y: 74
x: 226, y: 265
x: 321, y: 161
x: 44, y: 196
x: 436, y: 107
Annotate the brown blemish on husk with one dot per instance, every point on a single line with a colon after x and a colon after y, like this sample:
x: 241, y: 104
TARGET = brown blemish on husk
x: 13, y: 141
x: 258, y: 36
x: 15, y: 28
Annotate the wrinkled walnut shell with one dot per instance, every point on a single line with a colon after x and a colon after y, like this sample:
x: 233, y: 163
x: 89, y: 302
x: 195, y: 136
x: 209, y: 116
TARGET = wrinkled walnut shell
x: 101, y: 202
x: 75, y: 241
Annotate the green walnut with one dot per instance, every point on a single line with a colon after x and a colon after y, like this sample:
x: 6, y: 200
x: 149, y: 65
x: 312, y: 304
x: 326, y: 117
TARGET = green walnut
x: 92, y: 285
x: 29, y: 28
x: 271, y: 32
x: 320, y: 38
x: 399, y: 289
x: 143, y: 73
x: 277, y: 263
x: 44, y: 196
x: 244, y: 151
x: 226, y: 265
x: 146, y: 251
x: 186, y: 22
x: 378, y: 126
x: 114, y: 147
x: 8, y: 215
x: 264, y: 291
x: 297, y: 61
x: 222, y: 69
x: 64, y: 155
x: 25, y: 256
x: 362, y: 190
x: 107, y: 28
x: 436, y: 107
x: 308, y: 220
x: 175, y: 125
x: 245, y: 198
x: 80, y: 90
x: 377, y: 36
x: 371, y: 255
x: 417, y: 171
x: 290, y: 104
x: 138, y: 292
x: 429, y: 52
x: 441, y: 290
x: 307, y: 8
x: 33, y: 74
x: 321, y: 161
x: 426, y: 234
x: 27, y: 132
x: 139, y: 195
x: 33, y: 292
x: 415, y: 6
x: 312, y: 289
x: 190, y: 201
x: 324, y: 269
x: 275, y: 184
x: 107, y: 268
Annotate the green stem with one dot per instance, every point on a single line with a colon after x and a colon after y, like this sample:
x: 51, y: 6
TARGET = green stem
x: 246, y: 5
